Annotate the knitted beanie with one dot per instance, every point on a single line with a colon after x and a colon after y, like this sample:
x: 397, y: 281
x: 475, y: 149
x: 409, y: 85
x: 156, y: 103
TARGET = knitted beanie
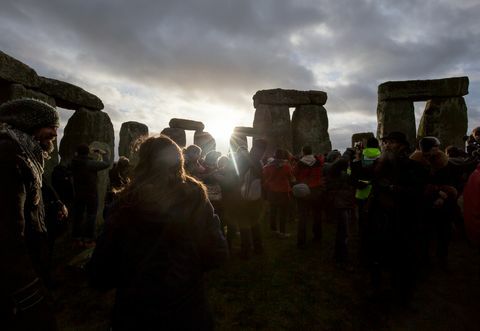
x: 427, y: 143
x: 27, y: 115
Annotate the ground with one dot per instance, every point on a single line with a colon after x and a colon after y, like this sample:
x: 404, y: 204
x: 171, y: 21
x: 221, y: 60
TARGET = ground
x: 291, y: 289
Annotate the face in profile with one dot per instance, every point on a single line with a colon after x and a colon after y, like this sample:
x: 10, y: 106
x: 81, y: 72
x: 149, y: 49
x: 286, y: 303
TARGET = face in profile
x: 45, y: 137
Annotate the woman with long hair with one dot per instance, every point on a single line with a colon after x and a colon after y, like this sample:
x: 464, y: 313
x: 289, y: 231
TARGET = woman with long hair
x: 160, y: 238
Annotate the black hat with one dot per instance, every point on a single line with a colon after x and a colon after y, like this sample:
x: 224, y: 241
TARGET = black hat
x: 28, y: 114
x: 397, y: 136
x: 427, y: 143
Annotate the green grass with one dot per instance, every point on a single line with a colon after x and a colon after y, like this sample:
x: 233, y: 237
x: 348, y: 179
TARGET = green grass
x: 290, y: 289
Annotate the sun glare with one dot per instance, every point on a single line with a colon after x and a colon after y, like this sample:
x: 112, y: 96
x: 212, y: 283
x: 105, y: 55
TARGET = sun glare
x: 221, y: 129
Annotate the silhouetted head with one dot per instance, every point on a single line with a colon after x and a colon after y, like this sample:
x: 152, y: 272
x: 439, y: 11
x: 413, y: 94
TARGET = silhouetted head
x: 372, y: 142
x: 83, y: 150
x: 307, y: 150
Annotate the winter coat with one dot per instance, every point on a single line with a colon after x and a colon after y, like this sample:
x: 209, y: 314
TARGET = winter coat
x: 24, y: 303
x: 471, y: 205
x: 360, y: 177
x: 308, y: 170
x: 156, y: 255
x: 340, y: 191
x: 85, y: 174
x: 277, y: 176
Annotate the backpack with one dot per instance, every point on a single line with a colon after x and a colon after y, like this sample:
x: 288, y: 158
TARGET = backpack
x: 251, y: 188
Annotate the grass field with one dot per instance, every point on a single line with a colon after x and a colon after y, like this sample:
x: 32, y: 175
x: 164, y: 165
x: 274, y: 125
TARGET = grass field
x: 290, y: 289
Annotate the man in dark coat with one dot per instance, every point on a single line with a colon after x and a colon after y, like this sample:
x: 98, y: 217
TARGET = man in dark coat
x: 85, y: 180
x: 397, y: 187
x: 27, y: 130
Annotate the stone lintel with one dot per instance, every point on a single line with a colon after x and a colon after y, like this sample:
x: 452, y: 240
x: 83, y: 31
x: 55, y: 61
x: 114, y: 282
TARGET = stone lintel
x: 423, y: 90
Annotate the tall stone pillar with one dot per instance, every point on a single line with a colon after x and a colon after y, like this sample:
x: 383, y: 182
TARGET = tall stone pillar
x: 238, y: 140
x: 446, y: 119
x: 205, y: 141
x: 129, y: 134
x: 396, y: 115
x: 86, y: 126
x: 274, y: 122
x: 177, y: 135
x: 310, y: 127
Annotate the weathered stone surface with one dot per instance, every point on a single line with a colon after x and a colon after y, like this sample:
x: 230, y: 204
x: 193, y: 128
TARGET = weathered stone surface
x: 129, y: 134
x: 184, y: 124
x: 246, y: 131
x: 396, y: 115
x: 68, y: 95
x: 18, y: 91
x: 93, y: 128
x: 15, y: 71
x: 86, y: 126
x: 205, y: 141
x: 310, y: 127
x: 446, y: 119
x: 273, y: 124
x: 291, y: 98
x: 177, y: 135
x: 418, y: 90
x: 362, y: 137
x: 237, y: 140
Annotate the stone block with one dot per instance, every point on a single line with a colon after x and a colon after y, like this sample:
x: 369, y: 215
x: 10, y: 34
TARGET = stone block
x: 130, y: 132
x: 446, y: 119
x: 177, y: 135
x: 291, y: 98
x: 14, y: 71
x: 310, y: 127
x: 179, y: 123
x: 18, y: 91
x: 273, y: 124
x: 69, y: 96
x: 246, y: 131
x: 423, y: 90
x: 205, y: 141
x: 396, y: 115
x: 238, y: 140
x: 361, y: 137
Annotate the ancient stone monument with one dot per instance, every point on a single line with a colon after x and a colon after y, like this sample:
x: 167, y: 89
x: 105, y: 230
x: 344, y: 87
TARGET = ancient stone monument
x: 130, y: 132
x: 361, y: 137
x: 239, y: 137
x: 309, y: 125
x: 18, y: 80
x: 445, y: 115
x: 176, y: 132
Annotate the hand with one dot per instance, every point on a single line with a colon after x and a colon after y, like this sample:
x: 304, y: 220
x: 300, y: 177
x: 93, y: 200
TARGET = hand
x: 62, y: 213
x: 438, y: 203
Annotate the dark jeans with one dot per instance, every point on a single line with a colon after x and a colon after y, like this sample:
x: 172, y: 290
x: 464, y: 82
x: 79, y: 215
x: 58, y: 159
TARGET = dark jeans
x: 278, y: 216
x: 305, y: 208
x: 84, y: 227
x: 342, y: 218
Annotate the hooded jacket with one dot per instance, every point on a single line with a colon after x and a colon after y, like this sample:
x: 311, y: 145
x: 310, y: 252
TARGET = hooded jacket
x: 308, y: 170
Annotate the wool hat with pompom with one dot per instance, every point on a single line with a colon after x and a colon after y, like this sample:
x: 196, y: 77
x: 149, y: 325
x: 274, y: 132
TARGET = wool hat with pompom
x: 27, y: 115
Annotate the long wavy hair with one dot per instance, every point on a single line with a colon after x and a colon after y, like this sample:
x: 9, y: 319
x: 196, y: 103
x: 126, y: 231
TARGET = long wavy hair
x: 159, y: 179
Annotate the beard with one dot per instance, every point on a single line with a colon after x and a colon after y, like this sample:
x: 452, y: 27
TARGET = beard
x: 47, y: 146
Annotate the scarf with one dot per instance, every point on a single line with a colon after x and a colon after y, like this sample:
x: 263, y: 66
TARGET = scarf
x: 32, y: 154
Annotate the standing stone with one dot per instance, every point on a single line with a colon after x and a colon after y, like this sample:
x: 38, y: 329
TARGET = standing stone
x: 180, y: 123
x: 238, y: 140
x: 362, y: 137
x: 103, y: 180
x: 310, y: 127
x: 177, y: 135
x: 86, y: 126
x: 446, y: 119
x: 130, y: 132
x: 245, y: 131
x: 205, y: 141
x: 274, y: 122
x: 396, y: 115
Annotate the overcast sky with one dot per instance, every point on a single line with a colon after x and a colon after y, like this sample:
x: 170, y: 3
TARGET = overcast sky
x: 151, y: 60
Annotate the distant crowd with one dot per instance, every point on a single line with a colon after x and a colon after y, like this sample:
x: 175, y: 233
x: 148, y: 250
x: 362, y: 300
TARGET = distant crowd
x: 178, y: 213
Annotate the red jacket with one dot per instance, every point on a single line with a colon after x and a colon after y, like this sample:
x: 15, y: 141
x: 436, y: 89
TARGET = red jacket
x: 471, y: 207
x: 309, y: 170
x: 277, y: 176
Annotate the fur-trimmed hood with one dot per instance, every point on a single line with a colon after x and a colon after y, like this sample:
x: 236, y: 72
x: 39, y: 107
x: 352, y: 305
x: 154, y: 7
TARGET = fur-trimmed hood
x: 434, y: 161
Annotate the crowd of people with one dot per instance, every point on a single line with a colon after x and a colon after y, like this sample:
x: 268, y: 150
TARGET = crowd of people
x: 179, y: 213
